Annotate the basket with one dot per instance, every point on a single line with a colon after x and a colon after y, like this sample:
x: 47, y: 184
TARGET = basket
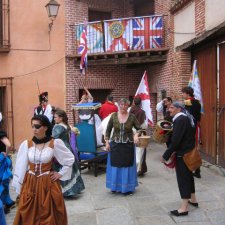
x: 162, y: 134
x: 143, y: 141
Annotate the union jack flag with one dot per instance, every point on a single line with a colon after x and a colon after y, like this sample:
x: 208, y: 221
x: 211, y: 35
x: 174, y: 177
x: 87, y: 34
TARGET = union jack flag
x: 82, y: 49
x: 147, y: 32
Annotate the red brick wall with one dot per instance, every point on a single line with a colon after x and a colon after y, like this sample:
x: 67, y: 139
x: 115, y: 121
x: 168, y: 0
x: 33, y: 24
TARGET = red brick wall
x: 199, y: 16
x: 121, y: 79
x: 175, y: 72
x: 162, y: 74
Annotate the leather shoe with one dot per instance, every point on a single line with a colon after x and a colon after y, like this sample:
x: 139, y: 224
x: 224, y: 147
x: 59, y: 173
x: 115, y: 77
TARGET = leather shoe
x: 176, y: 213
x: 197, y: 175
x: 195, y: 204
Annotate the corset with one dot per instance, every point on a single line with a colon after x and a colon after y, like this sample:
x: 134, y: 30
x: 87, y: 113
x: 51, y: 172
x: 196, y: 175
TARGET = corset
x: 40, y: 169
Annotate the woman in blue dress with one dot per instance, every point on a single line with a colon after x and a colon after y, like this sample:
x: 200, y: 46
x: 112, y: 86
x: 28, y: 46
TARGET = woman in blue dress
x: 5, y: 172
x: 121, y: 174
x: 5, y: 175
x: 62, y: 131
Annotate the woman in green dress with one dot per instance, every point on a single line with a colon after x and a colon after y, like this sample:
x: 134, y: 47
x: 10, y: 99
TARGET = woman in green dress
x: 121, y: 173
x: 62, y: 131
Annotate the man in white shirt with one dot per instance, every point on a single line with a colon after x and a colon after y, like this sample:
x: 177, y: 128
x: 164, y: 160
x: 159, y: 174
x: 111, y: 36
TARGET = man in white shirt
x: 163, y: 107
x: 44, y: 108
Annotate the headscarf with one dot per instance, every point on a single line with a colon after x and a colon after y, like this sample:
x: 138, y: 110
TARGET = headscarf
x: 181, y: 106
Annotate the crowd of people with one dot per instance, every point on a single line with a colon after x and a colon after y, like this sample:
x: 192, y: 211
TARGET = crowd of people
x: 47, y: 167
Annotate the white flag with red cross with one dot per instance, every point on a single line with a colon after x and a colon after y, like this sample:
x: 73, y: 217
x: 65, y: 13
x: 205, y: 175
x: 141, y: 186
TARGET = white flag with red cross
x: 144, y: 94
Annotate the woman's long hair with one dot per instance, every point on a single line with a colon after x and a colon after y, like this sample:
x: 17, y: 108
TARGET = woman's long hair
x: 44, y: 121
x: 62, y: 114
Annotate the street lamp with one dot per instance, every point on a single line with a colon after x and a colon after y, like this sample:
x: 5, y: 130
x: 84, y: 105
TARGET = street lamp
x: 52, y: 10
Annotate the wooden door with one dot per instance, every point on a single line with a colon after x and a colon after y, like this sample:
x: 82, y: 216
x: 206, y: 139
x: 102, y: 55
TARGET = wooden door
x: 206, y: 65
x: 221, y: 111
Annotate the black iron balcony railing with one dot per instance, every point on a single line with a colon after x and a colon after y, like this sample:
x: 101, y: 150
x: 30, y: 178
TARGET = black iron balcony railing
x: 119, y: 35
x: 4, y: 26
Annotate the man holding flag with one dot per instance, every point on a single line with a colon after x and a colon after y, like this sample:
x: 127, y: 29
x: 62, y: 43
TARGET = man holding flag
x: 193, y: 106
x: 194, y: 103
x: 143, y: 112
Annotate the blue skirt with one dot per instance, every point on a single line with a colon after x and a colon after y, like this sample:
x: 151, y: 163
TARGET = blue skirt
x: 5, y: 176
x: 2, y: 214
x: 122, y: 179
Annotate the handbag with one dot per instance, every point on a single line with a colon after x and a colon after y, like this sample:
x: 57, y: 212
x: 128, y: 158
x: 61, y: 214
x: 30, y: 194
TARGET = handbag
x: 192, y: 159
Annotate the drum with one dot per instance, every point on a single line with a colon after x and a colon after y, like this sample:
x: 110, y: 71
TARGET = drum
x: 162, y: 131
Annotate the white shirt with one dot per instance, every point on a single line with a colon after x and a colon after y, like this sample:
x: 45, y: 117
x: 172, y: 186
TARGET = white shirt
x: 47, y: 112
x: 177, y: 115
x: 25, y: 155
x: 159, y: 107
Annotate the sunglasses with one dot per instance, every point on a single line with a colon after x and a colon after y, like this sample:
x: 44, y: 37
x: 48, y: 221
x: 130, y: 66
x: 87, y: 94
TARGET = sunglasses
x: 37, y: 126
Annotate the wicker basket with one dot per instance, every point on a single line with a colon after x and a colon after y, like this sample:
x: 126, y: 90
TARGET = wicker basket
x: 143, y: 141
x: 162, y: 134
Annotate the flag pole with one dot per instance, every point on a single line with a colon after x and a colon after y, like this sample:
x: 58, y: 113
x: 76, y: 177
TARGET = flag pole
x: 85, y: 66
x: 38, y: 86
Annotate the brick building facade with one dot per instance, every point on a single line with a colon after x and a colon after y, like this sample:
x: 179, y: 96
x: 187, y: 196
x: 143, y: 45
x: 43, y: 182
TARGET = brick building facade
x: 204, y: 41
x: 123, y: 80
x: 185, y: 23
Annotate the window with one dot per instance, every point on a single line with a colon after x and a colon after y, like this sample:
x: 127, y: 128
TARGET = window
x: 6, y: 106
x: 144, y: 7
x: 94, y: 15
x: 4, y: 25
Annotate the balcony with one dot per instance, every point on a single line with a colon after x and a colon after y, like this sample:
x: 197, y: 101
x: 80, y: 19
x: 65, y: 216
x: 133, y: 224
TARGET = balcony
x: 4, y: 26
x: 123, y: 41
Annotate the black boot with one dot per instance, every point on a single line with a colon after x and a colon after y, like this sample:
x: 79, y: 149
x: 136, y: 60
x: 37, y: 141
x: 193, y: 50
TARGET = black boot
x: 197, y: 173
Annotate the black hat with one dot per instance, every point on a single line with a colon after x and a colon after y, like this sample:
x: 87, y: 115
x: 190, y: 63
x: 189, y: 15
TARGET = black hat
x: 43, y: 97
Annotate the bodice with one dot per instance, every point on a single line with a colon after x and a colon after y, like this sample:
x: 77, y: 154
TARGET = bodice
x: 38, y: 156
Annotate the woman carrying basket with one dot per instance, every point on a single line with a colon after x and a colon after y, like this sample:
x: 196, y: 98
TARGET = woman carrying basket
x: 121, y: 174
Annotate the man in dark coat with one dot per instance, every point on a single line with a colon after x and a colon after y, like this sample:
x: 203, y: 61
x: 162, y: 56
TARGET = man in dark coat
x: 193, y: 106
x: 183, y: 141
x: 140, y: 152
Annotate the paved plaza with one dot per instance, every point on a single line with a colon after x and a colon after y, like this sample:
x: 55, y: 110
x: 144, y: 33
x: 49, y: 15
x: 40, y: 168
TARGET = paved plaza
x: 155, y: 196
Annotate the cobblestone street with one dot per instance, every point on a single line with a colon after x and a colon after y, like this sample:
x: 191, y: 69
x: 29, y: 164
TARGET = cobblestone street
x: 155, y: 196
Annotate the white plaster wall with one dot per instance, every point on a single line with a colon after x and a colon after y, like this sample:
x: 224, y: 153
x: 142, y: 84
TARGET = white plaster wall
x: 215, y: 13
x: 184, y: 25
